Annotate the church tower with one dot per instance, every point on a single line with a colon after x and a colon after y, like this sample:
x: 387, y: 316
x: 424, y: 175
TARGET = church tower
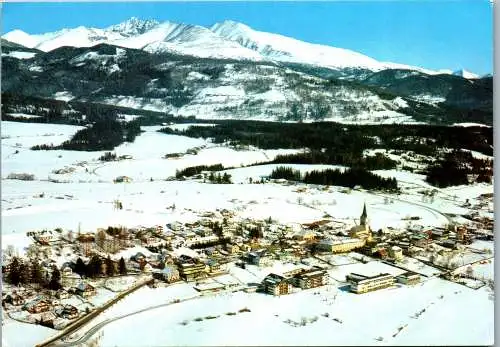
x: 362, y: 231
x: 364, y: 216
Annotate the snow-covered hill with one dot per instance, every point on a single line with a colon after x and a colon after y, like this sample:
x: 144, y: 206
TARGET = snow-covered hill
x: 465, y: 74
x: 183, y: 85
x: 76, y: 37
x: 189, y: 40
x: 233, y: 71
x: 281, y: 48
x: 226, y: 40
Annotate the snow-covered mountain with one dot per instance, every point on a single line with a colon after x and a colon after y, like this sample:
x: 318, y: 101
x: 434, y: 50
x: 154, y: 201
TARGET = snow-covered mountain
x: 282, y: 48
x: 225, y: 40
x: 76, y: 37
x: 134, y: 26
x: 465, y: 74
x: 183, y: 85
x: 187, y: 39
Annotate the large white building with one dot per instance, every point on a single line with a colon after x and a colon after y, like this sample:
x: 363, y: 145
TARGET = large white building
x: 362, y: 284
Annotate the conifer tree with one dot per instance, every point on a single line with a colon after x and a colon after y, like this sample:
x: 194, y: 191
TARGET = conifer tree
x: 122, y: 267
x: 36, y: 273
x: 110, y: 268
x: 55, y: 280
x: 80, y: 267
x: 14, y: 276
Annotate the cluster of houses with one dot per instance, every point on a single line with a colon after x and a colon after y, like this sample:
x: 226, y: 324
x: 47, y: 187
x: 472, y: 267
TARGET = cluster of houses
x: 217, y: 239
x: 46, y: 308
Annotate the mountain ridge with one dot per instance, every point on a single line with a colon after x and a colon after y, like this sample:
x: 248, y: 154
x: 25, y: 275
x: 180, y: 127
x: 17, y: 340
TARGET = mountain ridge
x: 253, y: 44
x: 209, y: 88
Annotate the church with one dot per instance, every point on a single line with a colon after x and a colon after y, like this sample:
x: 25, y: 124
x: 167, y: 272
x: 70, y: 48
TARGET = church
x: 362, y: 230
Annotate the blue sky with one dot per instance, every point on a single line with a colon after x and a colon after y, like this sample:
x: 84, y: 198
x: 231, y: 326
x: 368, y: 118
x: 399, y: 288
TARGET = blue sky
x: 432, y: 34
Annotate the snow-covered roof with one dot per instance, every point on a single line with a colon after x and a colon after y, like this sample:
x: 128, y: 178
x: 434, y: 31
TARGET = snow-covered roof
x: 82, y: 286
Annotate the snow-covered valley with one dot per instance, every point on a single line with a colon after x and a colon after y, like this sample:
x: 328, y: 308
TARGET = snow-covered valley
x: 82, y: 198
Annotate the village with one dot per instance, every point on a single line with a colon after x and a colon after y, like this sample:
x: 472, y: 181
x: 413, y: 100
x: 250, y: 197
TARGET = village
x: 65, y: 275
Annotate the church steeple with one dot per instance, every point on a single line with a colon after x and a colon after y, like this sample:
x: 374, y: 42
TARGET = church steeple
x: 364, y: 216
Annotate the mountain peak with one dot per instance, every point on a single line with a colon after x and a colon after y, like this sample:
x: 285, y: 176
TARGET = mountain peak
x: 20, y: 37
x: 228, y: 26
x: 465, y: 74
x: 134, y: 26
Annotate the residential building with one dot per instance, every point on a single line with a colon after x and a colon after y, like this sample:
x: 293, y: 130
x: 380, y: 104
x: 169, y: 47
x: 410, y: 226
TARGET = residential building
x: 276, y: 285
x: 122, y: 179
x: 37, y: 305
x: 85, y: 290
x: 67, y: 269
x: 86, y: 243
x: 258, y: 257
x: 316, y: 224
x: 191, y: 271
x: 232, y: 248
x: 311, y: 278
x: 44, y: 237
x: 47, y: 319
x: 202, y: 240
x: 305, y: 235
x: 138, y: 257
x: 62, y: 294
x: 108, y: 243
x: 396, y: 253
x: 382, y: 253
x: 168, y: 274
x: 408, y: 278
x: 213, y: 266
x: 420, y: 240
x: 15, y: 299
x: 340, y: 245
x: 452, y: 244
x: 362, y: 284
x: 67, y: 312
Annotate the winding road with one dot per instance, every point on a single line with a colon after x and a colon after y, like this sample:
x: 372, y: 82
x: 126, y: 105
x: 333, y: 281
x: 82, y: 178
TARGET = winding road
x: 92, y: 331
x: 430, y: 209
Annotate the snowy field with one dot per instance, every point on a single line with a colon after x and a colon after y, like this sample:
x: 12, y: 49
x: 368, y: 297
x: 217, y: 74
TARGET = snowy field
x: 17, y: 334
x: 348, y: 318
x: 147, y: 152
x: 87, y: 200
x: 88, y: 196
x: 145, y: 203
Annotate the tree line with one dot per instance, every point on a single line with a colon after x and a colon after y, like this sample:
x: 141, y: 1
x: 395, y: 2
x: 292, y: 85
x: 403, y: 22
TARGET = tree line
x: 21, y: 272
x: 378, y: 161
x: 94, y: 268
x: 456, y: 167
x: 335, y: 177
x: 102, y: 135
x: 196, y: 170
x: 347, y: 138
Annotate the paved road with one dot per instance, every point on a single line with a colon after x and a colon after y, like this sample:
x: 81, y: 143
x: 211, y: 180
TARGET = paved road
x: 74, y: 326
x: 433, y: 210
